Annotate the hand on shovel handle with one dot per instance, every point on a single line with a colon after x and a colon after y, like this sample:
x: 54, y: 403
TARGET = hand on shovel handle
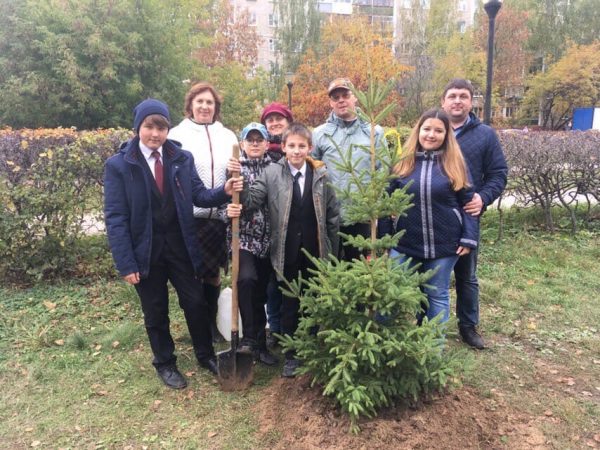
x: 235, y: 368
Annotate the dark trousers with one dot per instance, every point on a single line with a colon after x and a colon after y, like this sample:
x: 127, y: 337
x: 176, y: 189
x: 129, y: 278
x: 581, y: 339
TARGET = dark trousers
x: 347, y: 252
x: 290, y: 306
x: 274, y: 304
x: 154, y: 296
x: 252, y: 283
x: 467, y: 290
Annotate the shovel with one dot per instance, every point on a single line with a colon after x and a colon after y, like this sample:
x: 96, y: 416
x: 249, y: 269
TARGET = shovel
x: 235, y: 368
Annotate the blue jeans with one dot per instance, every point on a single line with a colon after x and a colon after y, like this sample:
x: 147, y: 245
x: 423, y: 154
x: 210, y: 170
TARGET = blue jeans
x: 438, y: 289
x: 467, y: 290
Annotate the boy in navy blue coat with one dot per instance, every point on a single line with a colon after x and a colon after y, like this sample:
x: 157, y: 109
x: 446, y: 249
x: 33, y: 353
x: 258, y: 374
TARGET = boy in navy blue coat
x: 149, y: 189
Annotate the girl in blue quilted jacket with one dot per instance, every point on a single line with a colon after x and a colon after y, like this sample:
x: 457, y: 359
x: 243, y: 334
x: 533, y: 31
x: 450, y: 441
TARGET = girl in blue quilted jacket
x: 437, y: 230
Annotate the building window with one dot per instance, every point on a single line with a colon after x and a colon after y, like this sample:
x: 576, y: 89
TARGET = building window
x: 273, y: 20
x: 252, y: 18
x: 272, y: 45
x: 509, y: 111
x: 462, y: 26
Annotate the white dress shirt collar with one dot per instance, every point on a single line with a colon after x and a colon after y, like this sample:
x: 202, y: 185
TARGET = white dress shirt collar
x: 147, y: 152
x: 302, y: 178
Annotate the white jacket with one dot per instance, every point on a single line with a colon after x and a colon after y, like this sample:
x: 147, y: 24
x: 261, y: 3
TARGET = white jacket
x: 212, y: 146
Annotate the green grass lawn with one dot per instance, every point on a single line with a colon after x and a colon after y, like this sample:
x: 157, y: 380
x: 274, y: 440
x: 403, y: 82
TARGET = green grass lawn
x: 75, y: 364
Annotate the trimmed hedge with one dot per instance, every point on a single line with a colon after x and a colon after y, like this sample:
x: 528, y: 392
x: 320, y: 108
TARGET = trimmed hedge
x: 50, y: 182
x: 549, y: 169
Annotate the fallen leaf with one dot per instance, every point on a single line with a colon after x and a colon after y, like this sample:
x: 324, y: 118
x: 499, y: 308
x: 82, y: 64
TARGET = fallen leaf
x: 156, y: 405
x: 548, y: 413
x: 597, y: 437
x: 59, y: 342
x: 190, y: 373
x: 212, y: 434
x: 35, y: 443
x: 29, y: 429
x: 530, y: 282
x: 115, y: 344
x: 553, y: 371
x: 98, y: 347
x: 49, y: 305
x: 587, y: 393
x: 120, y: 381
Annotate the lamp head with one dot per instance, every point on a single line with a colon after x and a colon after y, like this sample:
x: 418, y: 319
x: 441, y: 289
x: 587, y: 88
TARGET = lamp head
x: 289, y: 79
x: 492, y: 7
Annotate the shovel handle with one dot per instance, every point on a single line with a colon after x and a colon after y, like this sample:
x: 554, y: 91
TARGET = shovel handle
x: 235, y: 254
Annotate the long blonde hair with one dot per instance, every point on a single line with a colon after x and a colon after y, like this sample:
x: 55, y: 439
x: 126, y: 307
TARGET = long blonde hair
x: 452, y: 161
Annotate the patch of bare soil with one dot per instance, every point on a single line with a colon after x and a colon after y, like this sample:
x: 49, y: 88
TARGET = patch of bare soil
x: 303, y: 419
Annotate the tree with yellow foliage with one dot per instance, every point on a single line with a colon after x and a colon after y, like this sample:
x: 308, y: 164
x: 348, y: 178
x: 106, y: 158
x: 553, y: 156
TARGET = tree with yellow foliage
x: 349, y: 49
x: 573, y: 81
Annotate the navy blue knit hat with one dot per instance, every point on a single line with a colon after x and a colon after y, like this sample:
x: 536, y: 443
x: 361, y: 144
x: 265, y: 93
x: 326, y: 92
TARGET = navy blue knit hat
x: 146, y: 108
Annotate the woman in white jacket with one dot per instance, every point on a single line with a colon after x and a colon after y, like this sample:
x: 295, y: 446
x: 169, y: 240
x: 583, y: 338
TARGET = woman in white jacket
x: 211, y: 144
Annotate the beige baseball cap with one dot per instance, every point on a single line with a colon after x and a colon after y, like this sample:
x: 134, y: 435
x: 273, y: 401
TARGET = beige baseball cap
x: 339, y: 83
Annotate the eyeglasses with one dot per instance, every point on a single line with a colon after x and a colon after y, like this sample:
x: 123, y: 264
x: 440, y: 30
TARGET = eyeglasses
x: 335, y: 96
x: 255, y: 141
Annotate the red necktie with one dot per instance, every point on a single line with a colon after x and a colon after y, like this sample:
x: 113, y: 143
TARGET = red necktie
x: 158, y: 170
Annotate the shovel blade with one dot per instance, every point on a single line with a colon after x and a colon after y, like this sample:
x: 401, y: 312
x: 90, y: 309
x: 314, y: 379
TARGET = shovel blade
x: 235, y: 370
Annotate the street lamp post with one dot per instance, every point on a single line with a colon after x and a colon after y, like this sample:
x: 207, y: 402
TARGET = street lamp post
x: 289, y: 78
x: 491, y: 8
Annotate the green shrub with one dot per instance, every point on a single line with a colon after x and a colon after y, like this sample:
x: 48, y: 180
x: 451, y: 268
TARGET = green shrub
x: 50, y: 183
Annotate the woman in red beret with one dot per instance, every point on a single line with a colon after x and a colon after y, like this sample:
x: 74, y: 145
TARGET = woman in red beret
x: 277, y: 118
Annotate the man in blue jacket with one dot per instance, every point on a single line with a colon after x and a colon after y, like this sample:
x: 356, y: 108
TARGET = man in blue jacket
x: 487, y: 164
x: 149, y: 189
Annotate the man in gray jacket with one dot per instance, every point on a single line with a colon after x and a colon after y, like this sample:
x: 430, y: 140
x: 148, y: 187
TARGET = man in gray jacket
x: 344, y: 132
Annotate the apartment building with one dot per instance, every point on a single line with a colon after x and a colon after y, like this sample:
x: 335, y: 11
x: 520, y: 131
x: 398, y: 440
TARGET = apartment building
x: 261, y: 16
x: 380, y: 14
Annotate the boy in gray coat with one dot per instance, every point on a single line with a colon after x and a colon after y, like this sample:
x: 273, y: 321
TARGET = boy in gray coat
x: 303, y: 214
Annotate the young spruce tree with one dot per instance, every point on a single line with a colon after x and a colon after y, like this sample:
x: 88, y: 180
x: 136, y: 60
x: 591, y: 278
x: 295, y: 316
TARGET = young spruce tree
x: 358, y: 336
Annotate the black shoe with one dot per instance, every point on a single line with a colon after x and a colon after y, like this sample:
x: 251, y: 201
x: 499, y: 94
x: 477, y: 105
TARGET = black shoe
x: 471, y: 337
x: 264, y: 356
x: 210, y: 364
x: 217, y: 337
x: 289, y: 368
x: 171, y: 377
